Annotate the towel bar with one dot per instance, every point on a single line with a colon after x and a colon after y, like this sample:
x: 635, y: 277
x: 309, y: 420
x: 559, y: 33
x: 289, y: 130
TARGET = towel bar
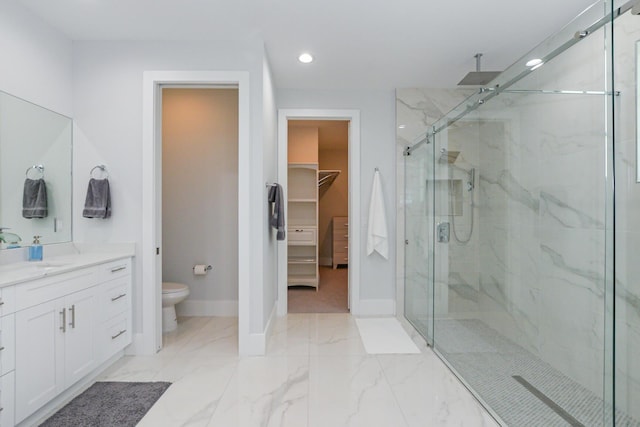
x: 103, y: 168
x: 39, y: 168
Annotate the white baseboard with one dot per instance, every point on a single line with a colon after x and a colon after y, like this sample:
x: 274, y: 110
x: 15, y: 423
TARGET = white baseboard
x: 257, y: 342
x: 376, y: 307
x: 325, y: 261
x: 221, y: 308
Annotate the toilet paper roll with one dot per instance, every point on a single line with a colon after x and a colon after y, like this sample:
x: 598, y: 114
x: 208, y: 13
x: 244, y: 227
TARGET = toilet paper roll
x: 201, y: 269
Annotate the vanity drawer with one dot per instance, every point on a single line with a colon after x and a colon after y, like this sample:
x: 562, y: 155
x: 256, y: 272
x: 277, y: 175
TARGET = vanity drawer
x: 115, y: 269
x: 7, y: 400
x: 47, y: 289
x: 115, y: 297
x: 7, y: 300
x: 115, y: 336
x: 302, y: 236
x: 7, y: 344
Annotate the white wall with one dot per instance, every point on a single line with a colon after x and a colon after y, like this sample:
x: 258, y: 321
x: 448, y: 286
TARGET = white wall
x: 107, y: 89
x: 377, y: 122
x: 270, y: 174
x: 36, y: 59
x: 200, y: 197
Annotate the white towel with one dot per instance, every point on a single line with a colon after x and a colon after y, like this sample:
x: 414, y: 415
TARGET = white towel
x: 377, y: 239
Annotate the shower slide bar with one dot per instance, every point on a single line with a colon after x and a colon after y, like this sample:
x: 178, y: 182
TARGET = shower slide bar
x: 498, y: 89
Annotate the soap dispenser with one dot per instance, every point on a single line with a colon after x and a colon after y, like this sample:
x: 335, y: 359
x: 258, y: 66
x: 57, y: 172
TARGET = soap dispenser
x: 35, y: 250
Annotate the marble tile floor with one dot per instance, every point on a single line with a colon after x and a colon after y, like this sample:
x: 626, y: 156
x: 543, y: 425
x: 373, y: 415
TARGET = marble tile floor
x: 316, y: 374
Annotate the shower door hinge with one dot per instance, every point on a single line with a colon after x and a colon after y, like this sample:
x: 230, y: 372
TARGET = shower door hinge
x: 157, y: 251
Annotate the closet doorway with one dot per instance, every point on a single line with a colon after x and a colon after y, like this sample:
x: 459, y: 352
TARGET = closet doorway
x: 318, y: 216
x: 318, y: 168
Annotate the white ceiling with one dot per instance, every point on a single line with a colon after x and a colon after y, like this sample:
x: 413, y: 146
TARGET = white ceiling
x: 358, y: 44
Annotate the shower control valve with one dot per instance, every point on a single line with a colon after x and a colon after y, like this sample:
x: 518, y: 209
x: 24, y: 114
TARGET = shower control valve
x: 443, y: 232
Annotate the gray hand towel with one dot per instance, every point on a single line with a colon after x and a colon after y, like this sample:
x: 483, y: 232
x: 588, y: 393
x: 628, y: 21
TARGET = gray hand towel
x: 98, y: 201
x: 34, y: 199
x: 277, y: 211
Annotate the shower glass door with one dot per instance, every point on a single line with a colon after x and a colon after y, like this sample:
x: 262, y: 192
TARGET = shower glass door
x: 509, y: 220
x: 419, y: 239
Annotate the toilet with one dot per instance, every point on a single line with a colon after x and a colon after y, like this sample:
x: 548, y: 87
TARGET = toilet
x: 172, y: 293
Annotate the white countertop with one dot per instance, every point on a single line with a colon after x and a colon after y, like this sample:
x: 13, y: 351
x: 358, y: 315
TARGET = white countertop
x: 18, y: 272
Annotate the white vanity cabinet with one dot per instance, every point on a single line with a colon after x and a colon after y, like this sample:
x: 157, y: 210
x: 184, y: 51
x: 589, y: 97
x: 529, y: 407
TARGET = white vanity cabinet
x: 59, y: 331
x: 7, y: 356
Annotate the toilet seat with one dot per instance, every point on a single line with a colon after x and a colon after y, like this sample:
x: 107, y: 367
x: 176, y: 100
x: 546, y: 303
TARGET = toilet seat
x: 173, y: 287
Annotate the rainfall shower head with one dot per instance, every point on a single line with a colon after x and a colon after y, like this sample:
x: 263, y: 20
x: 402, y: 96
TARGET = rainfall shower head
x: 447, y: 156
x: 478, y: 78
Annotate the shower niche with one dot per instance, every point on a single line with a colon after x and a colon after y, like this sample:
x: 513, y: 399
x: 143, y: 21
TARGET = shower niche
x: 449, y: 196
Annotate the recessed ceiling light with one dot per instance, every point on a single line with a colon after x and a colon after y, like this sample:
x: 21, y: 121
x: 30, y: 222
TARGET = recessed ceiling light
x: 402, y: 126
x: 305, y: 58
x: 534, y: 62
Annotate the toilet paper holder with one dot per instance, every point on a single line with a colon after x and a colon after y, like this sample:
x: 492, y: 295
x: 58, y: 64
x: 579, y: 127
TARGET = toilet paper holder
x: 201, y: 268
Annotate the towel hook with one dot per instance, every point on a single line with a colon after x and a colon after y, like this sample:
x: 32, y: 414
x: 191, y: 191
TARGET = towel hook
x: 103, y: 168
x: 39, y: 168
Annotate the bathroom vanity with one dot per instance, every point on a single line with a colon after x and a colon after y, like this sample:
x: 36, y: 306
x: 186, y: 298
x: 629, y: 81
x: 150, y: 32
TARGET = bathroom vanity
x: 62, y: 321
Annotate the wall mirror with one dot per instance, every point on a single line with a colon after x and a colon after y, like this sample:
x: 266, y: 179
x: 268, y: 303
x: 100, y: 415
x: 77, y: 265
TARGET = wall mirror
x: 35, y: 144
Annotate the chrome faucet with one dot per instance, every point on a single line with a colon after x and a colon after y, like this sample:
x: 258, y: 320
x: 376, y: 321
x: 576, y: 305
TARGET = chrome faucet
x: 9, y: 238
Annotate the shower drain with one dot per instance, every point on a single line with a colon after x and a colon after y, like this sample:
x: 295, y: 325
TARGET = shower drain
x: 550, y: 403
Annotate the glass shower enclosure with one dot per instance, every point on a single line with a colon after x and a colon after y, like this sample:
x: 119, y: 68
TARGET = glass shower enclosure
x: 512, y: 228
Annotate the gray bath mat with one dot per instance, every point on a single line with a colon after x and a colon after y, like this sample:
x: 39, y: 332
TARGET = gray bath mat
x: 109, y: 404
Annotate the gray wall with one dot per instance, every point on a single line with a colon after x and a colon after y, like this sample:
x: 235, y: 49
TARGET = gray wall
x: 200, y: 194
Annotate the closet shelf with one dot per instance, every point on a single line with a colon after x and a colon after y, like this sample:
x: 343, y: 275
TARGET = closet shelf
x: 304, y: 200
x: 327, y: 176
x: 303, y: 279
x: 301, y: 260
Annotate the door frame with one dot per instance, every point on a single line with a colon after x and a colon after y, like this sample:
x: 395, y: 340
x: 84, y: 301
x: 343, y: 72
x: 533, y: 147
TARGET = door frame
x: 353, y: 117
x: 149, y: 340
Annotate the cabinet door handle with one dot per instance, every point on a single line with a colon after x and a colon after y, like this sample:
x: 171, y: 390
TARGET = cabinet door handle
x: 346, y: 247
x: 1, y: 348
x: 299, y: 231
x: 1, y: 302
x: 114, y: 270
x: 346, y: 235
x: 63, y: 328
x: 113, y: 337
x: 72, y: 310
x: 118, y: 297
